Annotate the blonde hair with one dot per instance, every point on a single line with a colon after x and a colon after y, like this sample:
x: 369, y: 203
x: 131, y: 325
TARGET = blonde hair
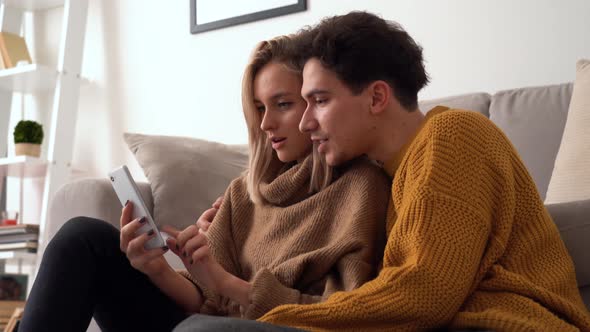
x: 263, y: 160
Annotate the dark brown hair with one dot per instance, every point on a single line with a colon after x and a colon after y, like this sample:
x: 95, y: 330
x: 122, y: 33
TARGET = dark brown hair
x: 361, y: 48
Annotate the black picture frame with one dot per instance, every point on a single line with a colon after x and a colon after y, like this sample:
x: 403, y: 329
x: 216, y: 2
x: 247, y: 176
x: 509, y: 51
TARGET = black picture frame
x: 195, y: 27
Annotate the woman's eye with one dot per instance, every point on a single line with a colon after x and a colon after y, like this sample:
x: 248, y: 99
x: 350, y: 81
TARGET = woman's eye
x: 260, y: 109
x: 285, y: 104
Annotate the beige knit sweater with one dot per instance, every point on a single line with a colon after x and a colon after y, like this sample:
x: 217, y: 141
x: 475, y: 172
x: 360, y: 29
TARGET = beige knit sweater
x: 299, y: 248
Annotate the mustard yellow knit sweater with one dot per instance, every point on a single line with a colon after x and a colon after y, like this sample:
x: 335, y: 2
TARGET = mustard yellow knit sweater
x: 470, y: 244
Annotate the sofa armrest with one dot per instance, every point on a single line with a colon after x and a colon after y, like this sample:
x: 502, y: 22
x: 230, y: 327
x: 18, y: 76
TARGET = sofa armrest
x: 95, y: 198
x: 90, y: 198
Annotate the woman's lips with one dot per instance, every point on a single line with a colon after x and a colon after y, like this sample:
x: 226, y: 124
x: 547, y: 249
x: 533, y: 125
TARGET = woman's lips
x: 278, y: 142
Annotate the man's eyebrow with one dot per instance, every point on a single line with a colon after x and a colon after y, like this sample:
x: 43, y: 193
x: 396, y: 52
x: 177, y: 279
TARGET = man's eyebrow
x: 315, y: 92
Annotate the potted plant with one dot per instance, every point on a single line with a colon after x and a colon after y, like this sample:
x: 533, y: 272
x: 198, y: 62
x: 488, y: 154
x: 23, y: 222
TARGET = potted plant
x: 28, y: 136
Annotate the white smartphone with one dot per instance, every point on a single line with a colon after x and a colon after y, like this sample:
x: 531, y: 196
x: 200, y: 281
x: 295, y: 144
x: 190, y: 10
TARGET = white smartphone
x: 127, y: 190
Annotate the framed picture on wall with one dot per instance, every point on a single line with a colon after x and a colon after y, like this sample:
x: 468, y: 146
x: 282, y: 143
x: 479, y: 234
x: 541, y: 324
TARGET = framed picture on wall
x: 216, y: 14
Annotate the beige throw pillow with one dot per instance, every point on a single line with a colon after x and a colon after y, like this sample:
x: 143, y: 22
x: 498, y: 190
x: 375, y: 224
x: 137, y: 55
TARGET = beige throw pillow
x: 570, y: 180
x: 186, y: 175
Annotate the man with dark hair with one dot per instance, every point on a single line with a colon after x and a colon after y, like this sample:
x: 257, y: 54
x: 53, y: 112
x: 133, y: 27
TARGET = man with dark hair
x: 470, y: 244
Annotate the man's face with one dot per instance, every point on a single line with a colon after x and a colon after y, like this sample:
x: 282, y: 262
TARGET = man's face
x: 337, y: 120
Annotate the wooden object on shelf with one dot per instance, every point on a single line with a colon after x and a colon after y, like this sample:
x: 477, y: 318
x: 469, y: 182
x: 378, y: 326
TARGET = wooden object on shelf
x: 7, y: 307
x: 13, y: 49
x: 14, y: 319
x: 27, y: 149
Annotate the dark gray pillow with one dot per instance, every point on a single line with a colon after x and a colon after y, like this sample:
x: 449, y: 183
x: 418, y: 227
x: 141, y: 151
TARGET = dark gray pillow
x: 573, y: 221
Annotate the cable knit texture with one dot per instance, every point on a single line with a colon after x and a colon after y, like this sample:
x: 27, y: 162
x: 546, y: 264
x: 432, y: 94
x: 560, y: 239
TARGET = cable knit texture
x: 470, y: 244
x: 299, y: 248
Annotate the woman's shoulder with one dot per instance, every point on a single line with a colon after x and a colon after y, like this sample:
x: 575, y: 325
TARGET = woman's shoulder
x: 240, y: 183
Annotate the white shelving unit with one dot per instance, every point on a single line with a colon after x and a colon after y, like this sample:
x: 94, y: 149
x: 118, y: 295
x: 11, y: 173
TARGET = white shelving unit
x: 33, y: 78
x: 32, y: 5
x: 23, y: 167
x: 19, y: 255
x: 63, y: 82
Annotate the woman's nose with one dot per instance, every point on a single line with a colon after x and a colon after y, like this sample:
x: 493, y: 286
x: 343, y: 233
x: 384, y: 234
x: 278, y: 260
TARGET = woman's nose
x: 267, y: 122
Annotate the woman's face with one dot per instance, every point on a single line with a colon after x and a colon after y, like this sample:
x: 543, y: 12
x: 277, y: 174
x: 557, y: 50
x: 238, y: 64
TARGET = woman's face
x: 277, y: 95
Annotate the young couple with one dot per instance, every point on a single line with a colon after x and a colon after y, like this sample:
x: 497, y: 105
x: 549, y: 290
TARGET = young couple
x: 295, y: 242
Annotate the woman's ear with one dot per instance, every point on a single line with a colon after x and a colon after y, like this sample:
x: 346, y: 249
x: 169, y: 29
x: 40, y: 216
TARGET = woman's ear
x: 380, y: 95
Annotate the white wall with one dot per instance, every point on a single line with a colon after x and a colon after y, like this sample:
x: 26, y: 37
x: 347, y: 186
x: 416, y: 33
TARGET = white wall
x: 150, y: 75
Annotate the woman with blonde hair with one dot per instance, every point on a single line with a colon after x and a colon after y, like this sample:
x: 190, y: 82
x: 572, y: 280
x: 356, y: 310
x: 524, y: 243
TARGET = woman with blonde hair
x: 290, y: 230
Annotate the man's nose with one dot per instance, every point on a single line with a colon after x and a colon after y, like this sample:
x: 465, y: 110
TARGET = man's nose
x: 308, y: 122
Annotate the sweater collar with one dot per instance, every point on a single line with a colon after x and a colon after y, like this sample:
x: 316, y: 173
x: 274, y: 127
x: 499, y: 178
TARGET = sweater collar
x: 290, y: 185
x: 392, y: 165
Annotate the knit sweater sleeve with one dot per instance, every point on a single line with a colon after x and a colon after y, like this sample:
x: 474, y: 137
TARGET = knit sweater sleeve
x: 268, y: 292
x: 223, y: 249
x: 434, y: 249
x: 348, y: 260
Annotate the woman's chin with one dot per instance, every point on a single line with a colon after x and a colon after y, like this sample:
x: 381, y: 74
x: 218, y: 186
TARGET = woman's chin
x: 284, y: 158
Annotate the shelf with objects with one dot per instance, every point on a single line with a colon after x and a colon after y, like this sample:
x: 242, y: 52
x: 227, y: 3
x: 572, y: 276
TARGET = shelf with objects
x: 34, y: 5
x: 22, y: 240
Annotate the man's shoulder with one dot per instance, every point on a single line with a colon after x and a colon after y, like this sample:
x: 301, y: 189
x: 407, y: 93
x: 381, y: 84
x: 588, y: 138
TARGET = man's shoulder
x: 455, y: 117
x: 454, y: 123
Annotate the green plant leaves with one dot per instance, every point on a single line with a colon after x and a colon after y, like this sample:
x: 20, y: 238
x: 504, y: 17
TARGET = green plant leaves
x: 28, y: 132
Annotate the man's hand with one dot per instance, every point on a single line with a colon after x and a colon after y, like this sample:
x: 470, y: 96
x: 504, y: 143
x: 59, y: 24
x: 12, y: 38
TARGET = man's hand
x: 207, y: 217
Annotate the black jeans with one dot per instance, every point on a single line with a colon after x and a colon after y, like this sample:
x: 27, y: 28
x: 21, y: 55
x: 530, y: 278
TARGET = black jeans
x: 83, y: 274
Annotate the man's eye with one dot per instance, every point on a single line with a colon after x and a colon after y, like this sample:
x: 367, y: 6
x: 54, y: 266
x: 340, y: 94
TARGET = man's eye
x: 320, y: 101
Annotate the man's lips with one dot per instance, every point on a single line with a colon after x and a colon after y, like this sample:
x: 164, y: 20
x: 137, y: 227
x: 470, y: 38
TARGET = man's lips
x: 320, y: 142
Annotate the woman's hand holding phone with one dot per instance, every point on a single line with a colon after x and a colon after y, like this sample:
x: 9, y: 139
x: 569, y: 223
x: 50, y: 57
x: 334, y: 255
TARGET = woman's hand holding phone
x: 150, y: 262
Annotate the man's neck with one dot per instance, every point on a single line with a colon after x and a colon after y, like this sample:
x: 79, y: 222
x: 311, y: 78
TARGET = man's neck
x: 395, y: 134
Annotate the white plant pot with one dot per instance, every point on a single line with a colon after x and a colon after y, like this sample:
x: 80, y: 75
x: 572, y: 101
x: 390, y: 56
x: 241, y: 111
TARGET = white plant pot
x: 27, y: 149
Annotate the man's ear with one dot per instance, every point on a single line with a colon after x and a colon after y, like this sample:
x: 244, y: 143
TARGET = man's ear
x: 380, y: 96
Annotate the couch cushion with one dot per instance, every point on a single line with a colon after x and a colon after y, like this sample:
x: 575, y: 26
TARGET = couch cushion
x: 186, y: 175
x: 94, y: 198
x: 533, y: 119
x: 570, y: 180
x: 573, y: 221
x: 479, y: 102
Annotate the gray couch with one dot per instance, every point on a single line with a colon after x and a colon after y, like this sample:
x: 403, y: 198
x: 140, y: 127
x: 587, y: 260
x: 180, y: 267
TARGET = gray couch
x: 532, y: 118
